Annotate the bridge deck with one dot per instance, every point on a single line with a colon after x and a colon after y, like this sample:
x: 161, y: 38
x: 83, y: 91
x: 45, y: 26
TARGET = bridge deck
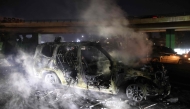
x: 179, y: 23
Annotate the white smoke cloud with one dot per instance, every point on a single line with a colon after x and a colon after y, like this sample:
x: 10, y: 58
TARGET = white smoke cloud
x: 20, y: 89
x: 127, y: 44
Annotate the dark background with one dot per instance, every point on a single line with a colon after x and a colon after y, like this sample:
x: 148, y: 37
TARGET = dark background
x: 71, y: 9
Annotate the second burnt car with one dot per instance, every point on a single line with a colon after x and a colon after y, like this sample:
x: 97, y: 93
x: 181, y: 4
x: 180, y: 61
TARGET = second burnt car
x: 88, y: 66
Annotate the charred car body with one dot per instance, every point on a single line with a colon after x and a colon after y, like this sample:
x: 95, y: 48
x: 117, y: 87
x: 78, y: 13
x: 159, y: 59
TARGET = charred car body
x: 87, y: 65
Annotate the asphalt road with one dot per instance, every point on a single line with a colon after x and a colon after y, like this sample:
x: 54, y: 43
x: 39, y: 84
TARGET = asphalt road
x: 16, y: 93
x: 179, y: 74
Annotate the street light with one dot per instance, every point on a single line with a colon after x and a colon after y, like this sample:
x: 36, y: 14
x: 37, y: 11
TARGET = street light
x: 78, y: 40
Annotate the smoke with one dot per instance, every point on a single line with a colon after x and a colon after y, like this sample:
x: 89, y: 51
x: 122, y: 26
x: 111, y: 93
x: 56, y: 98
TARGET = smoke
x: 124, y: 43
x: 20, y: 89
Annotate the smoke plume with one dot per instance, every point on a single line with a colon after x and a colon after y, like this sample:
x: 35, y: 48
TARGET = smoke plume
x: 20, y: 89
x: 126, y: 44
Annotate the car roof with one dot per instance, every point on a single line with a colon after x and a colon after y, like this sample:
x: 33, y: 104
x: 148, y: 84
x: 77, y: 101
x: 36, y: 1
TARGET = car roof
x: 163, y: 49
x: 73, y: 43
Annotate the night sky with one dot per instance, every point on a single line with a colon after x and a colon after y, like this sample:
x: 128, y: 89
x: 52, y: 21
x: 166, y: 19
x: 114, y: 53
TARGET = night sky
x: 155, y: 7
x: 71, y: 9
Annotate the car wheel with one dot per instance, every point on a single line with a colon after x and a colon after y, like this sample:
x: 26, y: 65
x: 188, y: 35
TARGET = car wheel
x: 51, y: 78
x: 135, y: 92
x: 180, y: 61
x: 167, y: 90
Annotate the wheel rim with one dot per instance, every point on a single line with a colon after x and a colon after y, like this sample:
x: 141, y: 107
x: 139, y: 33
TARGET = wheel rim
x: 135, y: 92
x: 50, y: 78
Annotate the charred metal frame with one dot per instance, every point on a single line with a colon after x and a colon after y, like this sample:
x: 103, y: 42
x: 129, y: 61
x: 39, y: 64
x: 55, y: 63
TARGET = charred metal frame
x: 149, y: 79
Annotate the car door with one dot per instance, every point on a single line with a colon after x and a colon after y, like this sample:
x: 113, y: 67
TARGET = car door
x: 67, y: 62
x: 165, y: 54
x: 159, y: 52
x: 171, y: 55
x: 163, y: 57
x: 95, y: 67
x: 173, y: 58
x: 44, y: 56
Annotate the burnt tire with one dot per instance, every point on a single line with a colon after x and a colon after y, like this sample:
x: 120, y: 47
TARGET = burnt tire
x: 135, y: 92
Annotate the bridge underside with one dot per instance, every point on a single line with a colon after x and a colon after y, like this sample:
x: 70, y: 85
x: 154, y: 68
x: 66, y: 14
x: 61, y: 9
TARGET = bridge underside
x: 168, y: 25
x: 162, y: 27
x: 91, y: 26
x: 53, y: 30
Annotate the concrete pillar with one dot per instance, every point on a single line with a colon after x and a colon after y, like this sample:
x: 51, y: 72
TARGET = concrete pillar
x: 35, y: 37
x: 39, y: 38
x: 170, y: 38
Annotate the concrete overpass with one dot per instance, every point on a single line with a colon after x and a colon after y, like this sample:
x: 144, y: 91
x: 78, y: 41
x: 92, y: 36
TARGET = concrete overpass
x: 179, y: 23
x: 163, y: 24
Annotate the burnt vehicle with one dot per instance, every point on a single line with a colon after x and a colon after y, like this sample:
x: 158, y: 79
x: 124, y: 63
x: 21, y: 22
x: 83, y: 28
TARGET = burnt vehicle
x: 88, y: 66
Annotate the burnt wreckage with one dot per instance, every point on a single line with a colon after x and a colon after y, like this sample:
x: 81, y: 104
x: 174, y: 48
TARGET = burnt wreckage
x: 87, y: 65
